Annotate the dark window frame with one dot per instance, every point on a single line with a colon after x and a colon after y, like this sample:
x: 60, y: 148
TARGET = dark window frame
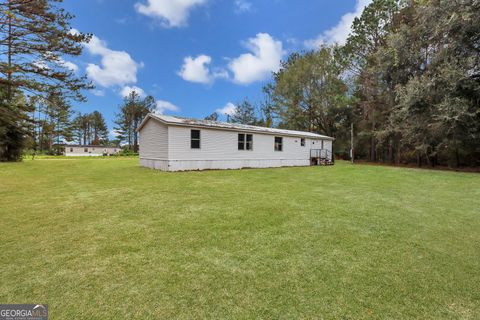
x: 302, y: 142
x: 249, y: 142
x: 278, y: 144
x: 245, y: 142
x: 195, y: 140
x: 85, y: 149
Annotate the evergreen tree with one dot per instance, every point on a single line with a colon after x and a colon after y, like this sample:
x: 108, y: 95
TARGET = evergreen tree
x: 35, y: 37
x: 438, y: 109
x: 99, y: 128
x: 308, y: 92
x: 374, y: 88
x: 244, y: 114
x: 131, y: 114
x: 14, y: 124
x: 212, y: 117
x: 59, y: 126
x: 90, y: 129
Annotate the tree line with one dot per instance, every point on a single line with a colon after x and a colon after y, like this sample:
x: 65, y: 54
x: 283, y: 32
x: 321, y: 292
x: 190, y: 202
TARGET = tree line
x: 52, y: 123
x: 407, y: 79
x: 131, y: 113
x: 35, y: 36
x: 37, y: 85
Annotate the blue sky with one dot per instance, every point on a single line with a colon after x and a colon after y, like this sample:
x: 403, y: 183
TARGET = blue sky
x: 197, y: 56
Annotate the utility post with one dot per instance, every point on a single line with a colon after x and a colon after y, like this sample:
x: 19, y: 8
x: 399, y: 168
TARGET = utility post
x: 352, y: 155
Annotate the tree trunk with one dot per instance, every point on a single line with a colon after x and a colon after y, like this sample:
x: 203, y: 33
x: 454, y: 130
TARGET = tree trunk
x: 398, y: 153
x: 390, y: 151
x: 428, y: 159
x: 58, y: 135
x: 130, y: 142
x: 457, y: 158
x: 9, y: 53
x: 372, y: 140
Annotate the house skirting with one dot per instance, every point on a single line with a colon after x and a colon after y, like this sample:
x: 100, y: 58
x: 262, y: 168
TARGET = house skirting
x: 188, y: 165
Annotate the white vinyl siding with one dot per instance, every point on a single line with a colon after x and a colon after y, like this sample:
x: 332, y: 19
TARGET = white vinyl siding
x: 81, y: 151
x: 223, y: 145
x: 168, y: 147
x: 154, y: 140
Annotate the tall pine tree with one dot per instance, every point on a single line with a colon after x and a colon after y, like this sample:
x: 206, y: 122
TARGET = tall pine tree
x: 35, y: 37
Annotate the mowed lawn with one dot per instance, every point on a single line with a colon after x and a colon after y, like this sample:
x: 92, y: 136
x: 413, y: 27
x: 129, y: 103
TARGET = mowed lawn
x: 107, y: 239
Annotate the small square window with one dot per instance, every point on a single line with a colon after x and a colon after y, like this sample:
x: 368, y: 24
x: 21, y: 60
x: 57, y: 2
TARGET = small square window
x: 302, y: 142
x: 195, y: 139
x: 71, y: 149
x: 85, y: 150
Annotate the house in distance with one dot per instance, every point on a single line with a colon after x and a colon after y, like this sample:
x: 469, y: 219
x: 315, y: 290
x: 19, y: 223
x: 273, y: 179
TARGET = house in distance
x: 176, y: 144
x: 76, y: 150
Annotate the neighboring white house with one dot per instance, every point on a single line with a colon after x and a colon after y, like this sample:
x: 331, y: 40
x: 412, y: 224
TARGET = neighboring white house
x: 89, y: 150
x: 175, y: 144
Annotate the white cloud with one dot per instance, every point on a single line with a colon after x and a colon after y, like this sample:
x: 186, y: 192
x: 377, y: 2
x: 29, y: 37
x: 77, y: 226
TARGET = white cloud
x: 339, y: 33
x: 117, y: 67
x: 42, y: 63
x: 125, y: 92
x: 123, y: 20
x: 172, y: 13
x: 67, y: 64
x: 266, y: 54
x: 114, y: 134
x: 98, y: 92
x: 242, y: 6
x: 74, y: 31
x: 197, y: 70
x: 163, y: 106
x: 228, y: 109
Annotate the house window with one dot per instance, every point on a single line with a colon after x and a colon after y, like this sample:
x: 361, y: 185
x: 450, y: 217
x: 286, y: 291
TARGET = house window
x: 302, y: 142
x: 278, y: 143
x: 195, y: 139
x: 245, y: 141
x: 71, y: 149
x: 85, y: 149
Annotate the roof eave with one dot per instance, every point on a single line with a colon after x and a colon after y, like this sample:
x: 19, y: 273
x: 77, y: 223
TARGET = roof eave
x: 197, y: 125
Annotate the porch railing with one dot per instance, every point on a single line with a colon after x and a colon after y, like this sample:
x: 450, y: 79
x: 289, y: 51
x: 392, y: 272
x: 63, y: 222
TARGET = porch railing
x: 322, y: 154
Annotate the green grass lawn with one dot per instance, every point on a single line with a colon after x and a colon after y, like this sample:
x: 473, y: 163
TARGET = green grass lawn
x: 107, y: 239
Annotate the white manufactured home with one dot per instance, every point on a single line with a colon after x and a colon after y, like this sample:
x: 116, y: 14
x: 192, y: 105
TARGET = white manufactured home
x: 75, y: 150
x: 176, y: 144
